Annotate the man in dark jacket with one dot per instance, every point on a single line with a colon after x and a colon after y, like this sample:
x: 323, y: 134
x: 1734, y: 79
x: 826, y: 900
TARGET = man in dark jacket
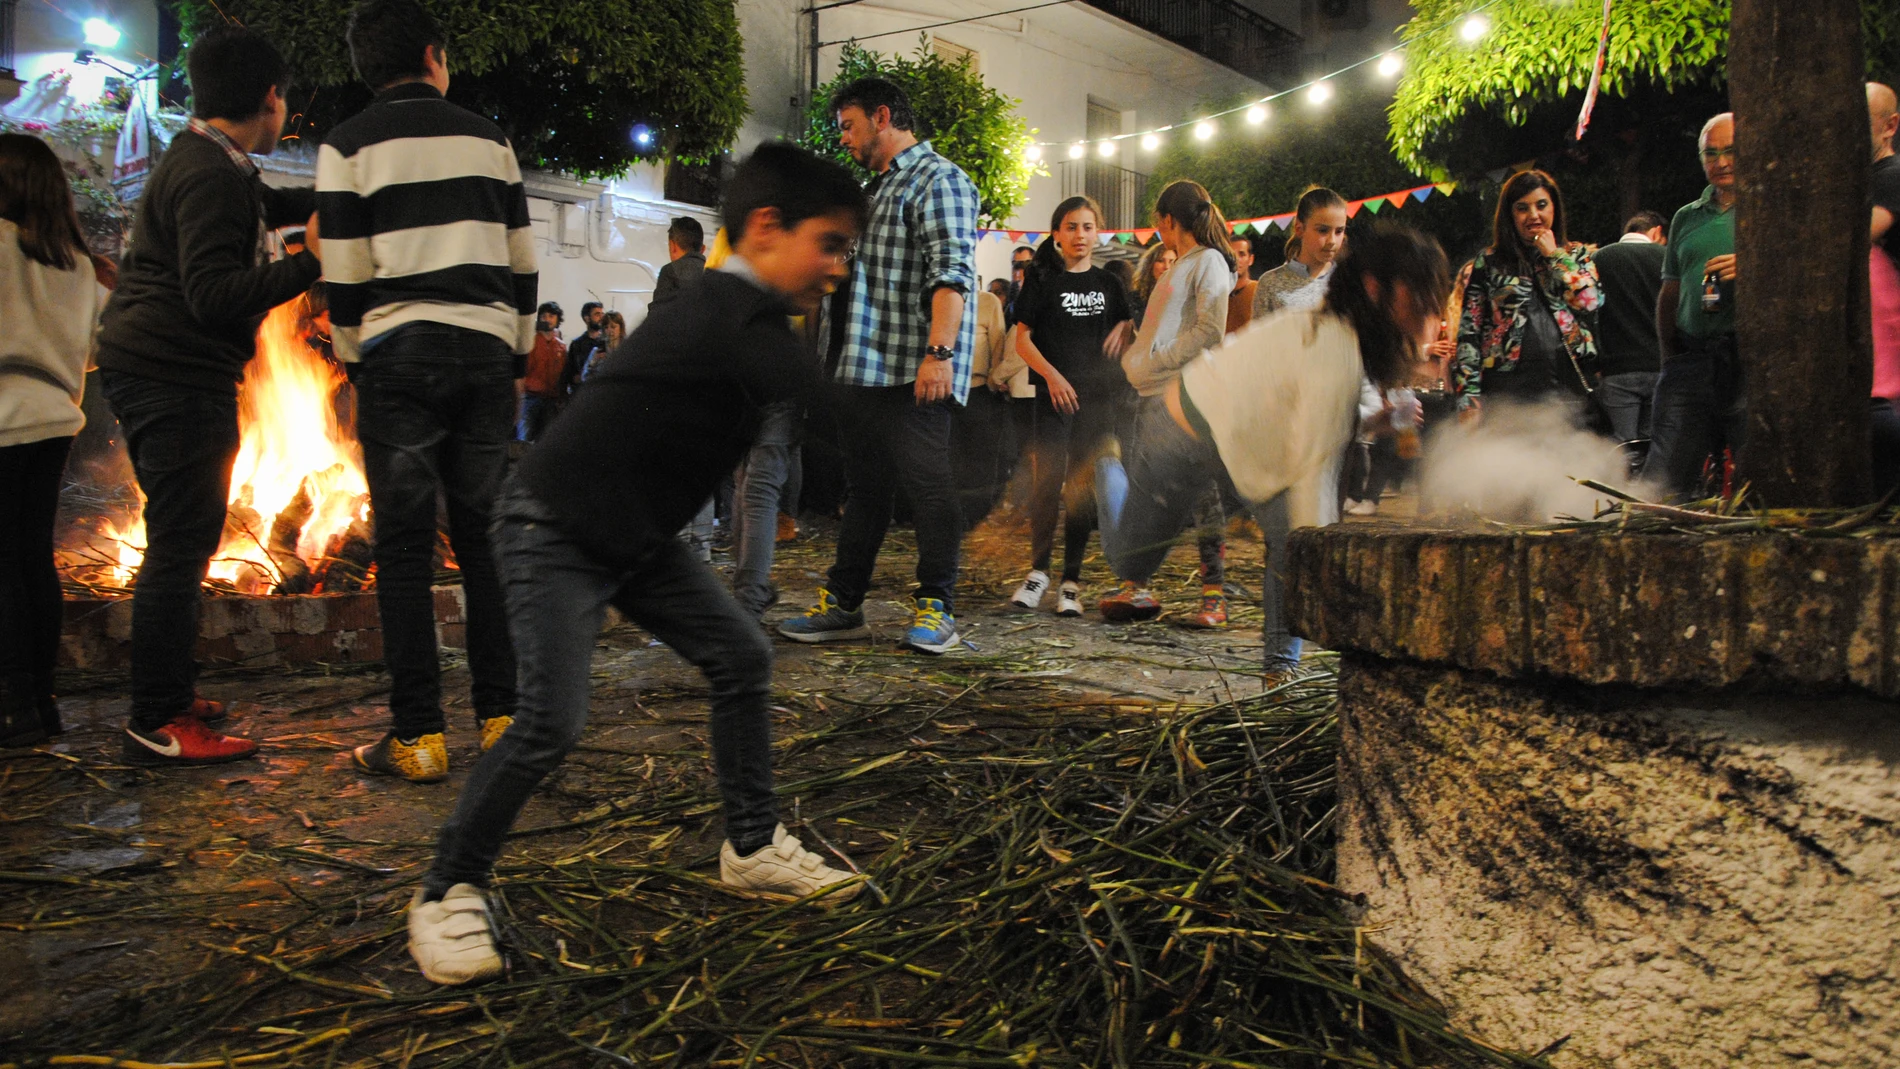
x: 588, y: 520
x: 582, y: 346
x: 686, y: 253
x: 1630, y: 276
x: 197, y: 280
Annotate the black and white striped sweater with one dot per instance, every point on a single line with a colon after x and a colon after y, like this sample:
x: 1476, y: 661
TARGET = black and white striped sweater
x: 423, y: 218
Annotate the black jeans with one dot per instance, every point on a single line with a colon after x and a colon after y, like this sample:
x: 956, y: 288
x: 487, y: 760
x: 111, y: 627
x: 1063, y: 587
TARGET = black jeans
x: 182, y: 442
x: 434, y: 408
x: 1700, y: 408
x: 983, y: 452
x: 1062, y: 451
x: 890, y: 441
x: 1884, y: 432
x: 29, y: 584
x: 557, y: 597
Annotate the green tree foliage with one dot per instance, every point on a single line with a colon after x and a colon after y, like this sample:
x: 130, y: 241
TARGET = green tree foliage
x: 566, y: 81
x: 1253, y: 171
x: 1516, y: 91
x: 974, y: 126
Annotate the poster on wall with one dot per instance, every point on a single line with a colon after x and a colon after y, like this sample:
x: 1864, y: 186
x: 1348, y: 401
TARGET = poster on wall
x: 132, y: 163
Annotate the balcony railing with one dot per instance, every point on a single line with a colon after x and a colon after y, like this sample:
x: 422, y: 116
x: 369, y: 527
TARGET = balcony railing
x: 1222, y: 30
x: 1122, y: 193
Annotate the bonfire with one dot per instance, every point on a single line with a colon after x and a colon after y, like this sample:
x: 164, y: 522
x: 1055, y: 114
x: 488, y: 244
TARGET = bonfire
x: 298, y: 516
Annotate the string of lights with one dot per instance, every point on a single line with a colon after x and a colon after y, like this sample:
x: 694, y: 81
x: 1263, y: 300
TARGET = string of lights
x: 1471, y: 28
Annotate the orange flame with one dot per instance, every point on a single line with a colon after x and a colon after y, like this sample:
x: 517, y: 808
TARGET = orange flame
x: 290, y: 440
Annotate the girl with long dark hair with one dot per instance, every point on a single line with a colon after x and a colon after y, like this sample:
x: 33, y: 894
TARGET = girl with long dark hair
x: 1185, y: 317
x: 1070, y: 319
x: 1527, y: 329
x: 1148, y: 271
x: 49, y: 301
x: 1312, y: 247
x: 1272, y: 410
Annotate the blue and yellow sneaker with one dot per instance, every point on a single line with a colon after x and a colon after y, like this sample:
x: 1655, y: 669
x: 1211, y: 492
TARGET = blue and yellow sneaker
x: 932, y: 630
x: 826, y: 621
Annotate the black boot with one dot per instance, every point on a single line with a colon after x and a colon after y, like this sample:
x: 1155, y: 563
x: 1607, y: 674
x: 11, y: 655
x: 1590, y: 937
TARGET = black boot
x: 19, y: 716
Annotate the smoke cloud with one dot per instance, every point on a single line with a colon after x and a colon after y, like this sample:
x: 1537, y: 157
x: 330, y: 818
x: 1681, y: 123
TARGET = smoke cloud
x: 1519, y: 464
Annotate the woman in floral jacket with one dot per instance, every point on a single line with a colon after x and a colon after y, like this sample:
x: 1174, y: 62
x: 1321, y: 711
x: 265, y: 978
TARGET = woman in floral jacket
x: 1527, y: 330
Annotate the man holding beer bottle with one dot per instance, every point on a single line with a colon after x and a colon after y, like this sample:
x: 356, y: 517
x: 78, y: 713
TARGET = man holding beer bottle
x: 1699, y: 409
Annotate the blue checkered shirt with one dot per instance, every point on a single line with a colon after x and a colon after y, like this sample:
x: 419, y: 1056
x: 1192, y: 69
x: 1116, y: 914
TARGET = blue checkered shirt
x: 922, y: 235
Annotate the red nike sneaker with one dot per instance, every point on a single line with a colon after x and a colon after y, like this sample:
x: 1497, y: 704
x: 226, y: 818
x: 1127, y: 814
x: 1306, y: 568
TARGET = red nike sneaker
x: 184, y: 741
x: 208, y: 711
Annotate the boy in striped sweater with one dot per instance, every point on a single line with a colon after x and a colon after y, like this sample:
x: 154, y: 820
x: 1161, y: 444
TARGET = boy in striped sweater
x: 432, y: 276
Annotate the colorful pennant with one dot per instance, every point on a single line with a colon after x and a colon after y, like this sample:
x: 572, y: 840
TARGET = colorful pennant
x: 1144, y: 236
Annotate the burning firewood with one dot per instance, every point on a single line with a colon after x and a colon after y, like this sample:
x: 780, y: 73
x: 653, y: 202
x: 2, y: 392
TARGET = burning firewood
x: 285, y: 530
x: 346, y: 560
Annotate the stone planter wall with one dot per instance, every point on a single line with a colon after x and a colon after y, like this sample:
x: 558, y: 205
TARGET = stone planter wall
x: 255, y: 630
x: 1702, y: 870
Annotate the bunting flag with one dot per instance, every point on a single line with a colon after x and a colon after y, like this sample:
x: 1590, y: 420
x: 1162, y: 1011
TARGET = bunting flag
x: 1596, y: 74
x: 1260, y: 225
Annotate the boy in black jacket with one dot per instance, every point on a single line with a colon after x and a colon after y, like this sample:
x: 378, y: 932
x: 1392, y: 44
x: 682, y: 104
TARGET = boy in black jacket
x: 588, y: 520
x: 173, y: 343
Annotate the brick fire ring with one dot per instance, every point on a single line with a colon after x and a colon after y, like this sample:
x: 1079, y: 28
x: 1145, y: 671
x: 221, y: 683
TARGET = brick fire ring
x: 261, y: 631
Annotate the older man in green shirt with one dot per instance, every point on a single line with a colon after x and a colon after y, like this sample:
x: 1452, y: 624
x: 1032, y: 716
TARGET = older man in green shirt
x: 1699, y: 401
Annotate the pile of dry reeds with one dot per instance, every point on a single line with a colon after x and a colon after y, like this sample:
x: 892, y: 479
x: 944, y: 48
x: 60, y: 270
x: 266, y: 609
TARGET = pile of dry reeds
x: 1052, y: 885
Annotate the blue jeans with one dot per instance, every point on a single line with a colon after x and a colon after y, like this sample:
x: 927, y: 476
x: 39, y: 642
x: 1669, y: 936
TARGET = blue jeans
x: 890, y: 441
x: 432, y: 409
x: 1700, y: 408
x: 764, y: 483
x: 534, y: 416
x: 1144, y: 506
x: 182, y: 442
x: 557, y: 600
x: 1626, y: 399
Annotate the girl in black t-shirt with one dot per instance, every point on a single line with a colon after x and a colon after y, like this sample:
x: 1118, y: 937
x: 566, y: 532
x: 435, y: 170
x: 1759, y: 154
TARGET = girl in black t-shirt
x: 1074, y: 322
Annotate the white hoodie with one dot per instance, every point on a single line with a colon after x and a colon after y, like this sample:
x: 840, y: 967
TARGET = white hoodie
x: 50, y: 317
x: 1282, y: 398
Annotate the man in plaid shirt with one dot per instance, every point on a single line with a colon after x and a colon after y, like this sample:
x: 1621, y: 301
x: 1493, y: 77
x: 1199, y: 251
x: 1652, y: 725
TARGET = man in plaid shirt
x: 909, y: 329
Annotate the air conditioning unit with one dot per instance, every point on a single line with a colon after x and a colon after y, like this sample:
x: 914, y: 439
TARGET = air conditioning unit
x: 1342, y: 14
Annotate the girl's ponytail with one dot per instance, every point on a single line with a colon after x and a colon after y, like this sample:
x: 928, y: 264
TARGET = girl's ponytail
x: 1188, y: 204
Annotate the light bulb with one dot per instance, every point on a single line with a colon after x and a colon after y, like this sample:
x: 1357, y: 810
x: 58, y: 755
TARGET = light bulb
x: 100, y: 33
x: 1320, y: 93
x: 1105, y: 149
x: 1203, y: 130
x: 1032, y: 153
x: 1475, y: 27
x: 1150, y: 142
x: 1076, y: 150
x: 1257, y: 114
x: 1389, y: 64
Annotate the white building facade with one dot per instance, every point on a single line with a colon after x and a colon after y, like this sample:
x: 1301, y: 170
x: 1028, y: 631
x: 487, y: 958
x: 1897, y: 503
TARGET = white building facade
x: 1080, y: 70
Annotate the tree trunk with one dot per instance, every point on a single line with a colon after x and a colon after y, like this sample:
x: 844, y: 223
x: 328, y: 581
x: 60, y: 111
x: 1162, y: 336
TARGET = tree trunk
x: 1629, y: 176
x: 1801, y: 242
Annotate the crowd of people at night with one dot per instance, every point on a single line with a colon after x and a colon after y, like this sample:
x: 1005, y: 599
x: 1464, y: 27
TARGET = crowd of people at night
x: 1145, y: 404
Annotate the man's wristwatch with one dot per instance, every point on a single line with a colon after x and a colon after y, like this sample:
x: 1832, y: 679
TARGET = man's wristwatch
x: 939, y: 352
